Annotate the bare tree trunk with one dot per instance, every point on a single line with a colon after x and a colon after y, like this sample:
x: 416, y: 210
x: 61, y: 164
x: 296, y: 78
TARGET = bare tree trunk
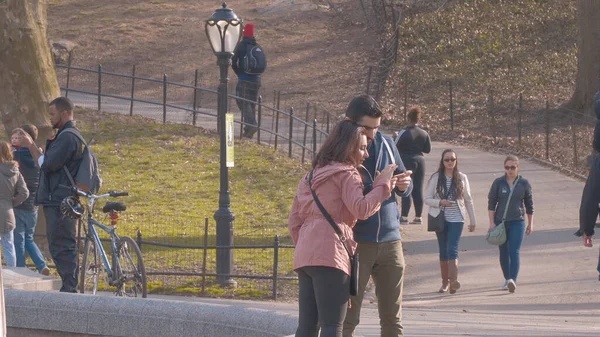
x: 588, y: 56
x: 27, y: 75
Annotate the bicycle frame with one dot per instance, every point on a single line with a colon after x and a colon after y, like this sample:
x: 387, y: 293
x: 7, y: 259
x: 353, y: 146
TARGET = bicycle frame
x: 93, y: 235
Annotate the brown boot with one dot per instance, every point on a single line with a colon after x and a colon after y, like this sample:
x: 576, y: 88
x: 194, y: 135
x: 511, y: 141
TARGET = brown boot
x: 453, y: 276
x: 444, y: 272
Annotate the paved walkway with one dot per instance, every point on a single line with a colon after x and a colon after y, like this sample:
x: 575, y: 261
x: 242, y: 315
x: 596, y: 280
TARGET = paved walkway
x: 558, y: 292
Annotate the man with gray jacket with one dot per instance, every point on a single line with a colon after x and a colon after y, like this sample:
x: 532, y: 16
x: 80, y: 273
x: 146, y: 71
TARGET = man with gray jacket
x: 62, y: 150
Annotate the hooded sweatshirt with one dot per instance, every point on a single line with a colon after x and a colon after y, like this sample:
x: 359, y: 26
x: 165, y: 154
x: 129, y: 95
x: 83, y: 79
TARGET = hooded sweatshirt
x: 339, y: 188
x: 13, y: 192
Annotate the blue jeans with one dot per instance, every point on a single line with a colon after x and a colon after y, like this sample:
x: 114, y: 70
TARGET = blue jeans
x: 509, y: 251
x: 26, y: 222
x: 8, y: 248
x: 448, y: 240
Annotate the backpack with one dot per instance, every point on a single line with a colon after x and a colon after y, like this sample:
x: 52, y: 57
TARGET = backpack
x: 88, y: 177
x: 400, y: 133
x: 255, y: 61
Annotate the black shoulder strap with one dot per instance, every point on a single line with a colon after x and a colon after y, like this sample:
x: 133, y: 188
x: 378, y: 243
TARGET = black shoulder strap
x: 337, y: 229
x: 78, y: 135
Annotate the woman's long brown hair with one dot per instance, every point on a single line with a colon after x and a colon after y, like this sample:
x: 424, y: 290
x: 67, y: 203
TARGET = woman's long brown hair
x: 341, y: 145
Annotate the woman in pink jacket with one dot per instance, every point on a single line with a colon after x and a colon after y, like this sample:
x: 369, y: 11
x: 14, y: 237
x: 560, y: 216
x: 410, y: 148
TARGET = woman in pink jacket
x: 320, y: 259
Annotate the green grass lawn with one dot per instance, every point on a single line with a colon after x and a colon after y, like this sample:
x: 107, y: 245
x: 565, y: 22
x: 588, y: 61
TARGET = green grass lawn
x: 172, y: 175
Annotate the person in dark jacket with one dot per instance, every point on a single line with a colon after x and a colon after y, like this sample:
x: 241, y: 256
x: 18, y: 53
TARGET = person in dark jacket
x: 26, y: 214
x: 520, y: 203
x: 248, y: 84
x: 590, y: 198
x: 378, y: 237
x: 412, y: 142
x: 62, y: 150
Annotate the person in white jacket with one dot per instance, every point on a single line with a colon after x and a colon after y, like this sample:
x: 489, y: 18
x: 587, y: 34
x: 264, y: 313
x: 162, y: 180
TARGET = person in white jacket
x: 448, y: 190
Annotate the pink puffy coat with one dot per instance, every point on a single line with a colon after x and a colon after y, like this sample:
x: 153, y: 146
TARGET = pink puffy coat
x: 340, y: 190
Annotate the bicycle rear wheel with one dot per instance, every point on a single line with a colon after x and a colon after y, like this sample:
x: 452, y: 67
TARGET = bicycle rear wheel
x: 91, y: 267
x: 132, y: 273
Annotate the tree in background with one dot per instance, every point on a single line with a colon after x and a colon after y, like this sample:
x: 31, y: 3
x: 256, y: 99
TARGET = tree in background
x: 588, y: 56
x: 27, y: 75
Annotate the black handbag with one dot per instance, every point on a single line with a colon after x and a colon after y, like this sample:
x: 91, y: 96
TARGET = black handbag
x: 438, y: 223
x: 353, y: 258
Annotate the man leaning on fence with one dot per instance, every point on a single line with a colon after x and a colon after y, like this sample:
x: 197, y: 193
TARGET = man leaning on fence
x: 248, y: 63
x: 61, y: 151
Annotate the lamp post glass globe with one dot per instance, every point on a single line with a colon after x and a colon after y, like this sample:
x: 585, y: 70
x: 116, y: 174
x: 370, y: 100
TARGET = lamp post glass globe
x: 224, y: 30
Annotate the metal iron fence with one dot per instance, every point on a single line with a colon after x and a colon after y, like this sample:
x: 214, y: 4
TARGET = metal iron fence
x: 177, y: 262
x: 534, y: 127
x: 193, y: 104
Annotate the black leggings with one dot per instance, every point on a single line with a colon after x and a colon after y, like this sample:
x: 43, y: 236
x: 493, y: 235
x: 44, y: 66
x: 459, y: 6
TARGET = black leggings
x: 323, y: 301
x: 417, y: 165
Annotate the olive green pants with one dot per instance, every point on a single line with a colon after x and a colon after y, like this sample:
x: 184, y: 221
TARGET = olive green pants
x: 384, y: 261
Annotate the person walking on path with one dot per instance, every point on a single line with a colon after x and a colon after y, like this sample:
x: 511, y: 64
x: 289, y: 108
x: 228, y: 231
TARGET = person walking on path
x: 248, y: 63
x: 448, y: 190
x: 62, y: 150
x: 26, y: 214
x: 320, y: 258
x: 378, y: 237
x: 520, y: 203
x: 412, y: 142
x: 13, y: 192
x: 590, y: 198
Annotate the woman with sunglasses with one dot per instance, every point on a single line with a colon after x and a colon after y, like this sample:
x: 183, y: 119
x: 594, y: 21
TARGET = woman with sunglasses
x: 448, y: 189
x: 520, y: 203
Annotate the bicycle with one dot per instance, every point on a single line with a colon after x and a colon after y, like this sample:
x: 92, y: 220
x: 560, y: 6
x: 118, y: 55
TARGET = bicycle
x: 125, y: 272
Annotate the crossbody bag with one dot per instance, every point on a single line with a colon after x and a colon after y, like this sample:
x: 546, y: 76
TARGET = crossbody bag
x: 497, y: 236
x: 338, y: 231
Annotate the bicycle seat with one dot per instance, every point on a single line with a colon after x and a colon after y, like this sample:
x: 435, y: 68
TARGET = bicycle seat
x: 114, y: 206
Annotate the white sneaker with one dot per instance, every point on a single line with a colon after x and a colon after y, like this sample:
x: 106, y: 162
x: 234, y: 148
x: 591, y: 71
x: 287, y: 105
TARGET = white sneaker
x: 511, y: 286
x: 505, y: 286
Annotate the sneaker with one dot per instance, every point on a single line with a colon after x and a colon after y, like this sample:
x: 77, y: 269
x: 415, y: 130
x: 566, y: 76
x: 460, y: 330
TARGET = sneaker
x: 404, y: 220
x: 505, y: 286
x: 45, y: 271
x: 454, y: 286
x: 511, y: 286
x: 416, y: 221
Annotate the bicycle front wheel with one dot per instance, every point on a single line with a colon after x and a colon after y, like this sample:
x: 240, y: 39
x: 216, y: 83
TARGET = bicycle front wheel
x: 91, y: 267
x: 132, y: 273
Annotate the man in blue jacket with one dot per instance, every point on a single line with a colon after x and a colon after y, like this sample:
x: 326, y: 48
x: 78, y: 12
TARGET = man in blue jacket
x: 54, y: 185
x: 248, y: 84
x: 590, y: 198
x: 379, y: 245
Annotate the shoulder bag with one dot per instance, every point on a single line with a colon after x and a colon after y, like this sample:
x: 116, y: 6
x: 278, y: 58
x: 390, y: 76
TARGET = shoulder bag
x: 497, y: 236
x: 438, y: 223
x: 338, y: 231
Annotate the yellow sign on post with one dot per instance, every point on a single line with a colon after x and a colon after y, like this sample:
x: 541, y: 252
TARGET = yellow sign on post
x: 230, y: 136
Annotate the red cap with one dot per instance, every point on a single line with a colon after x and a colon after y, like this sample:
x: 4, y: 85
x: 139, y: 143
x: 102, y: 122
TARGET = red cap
x: 249, y: 30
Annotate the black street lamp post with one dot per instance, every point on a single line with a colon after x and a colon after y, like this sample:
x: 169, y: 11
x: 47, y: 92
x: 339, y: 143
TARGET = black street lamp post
x: 224, y: 30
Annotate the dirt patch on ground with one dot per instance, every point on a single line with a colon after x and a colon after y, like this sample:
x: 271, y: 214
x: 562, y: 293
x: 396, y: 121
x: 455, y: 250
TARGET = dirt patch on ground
x: 316, y: 54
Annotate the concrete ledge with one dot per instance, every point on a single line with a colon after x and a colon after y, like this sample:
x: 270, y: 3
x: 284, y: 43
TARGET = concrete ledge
x: 30, y: 314
x: 26, y: 279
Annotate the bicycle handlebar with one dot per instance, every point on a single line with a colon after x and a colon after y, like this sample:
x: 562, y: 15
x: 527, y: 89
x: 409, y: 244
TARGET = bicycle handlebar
x: 90, y: 195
